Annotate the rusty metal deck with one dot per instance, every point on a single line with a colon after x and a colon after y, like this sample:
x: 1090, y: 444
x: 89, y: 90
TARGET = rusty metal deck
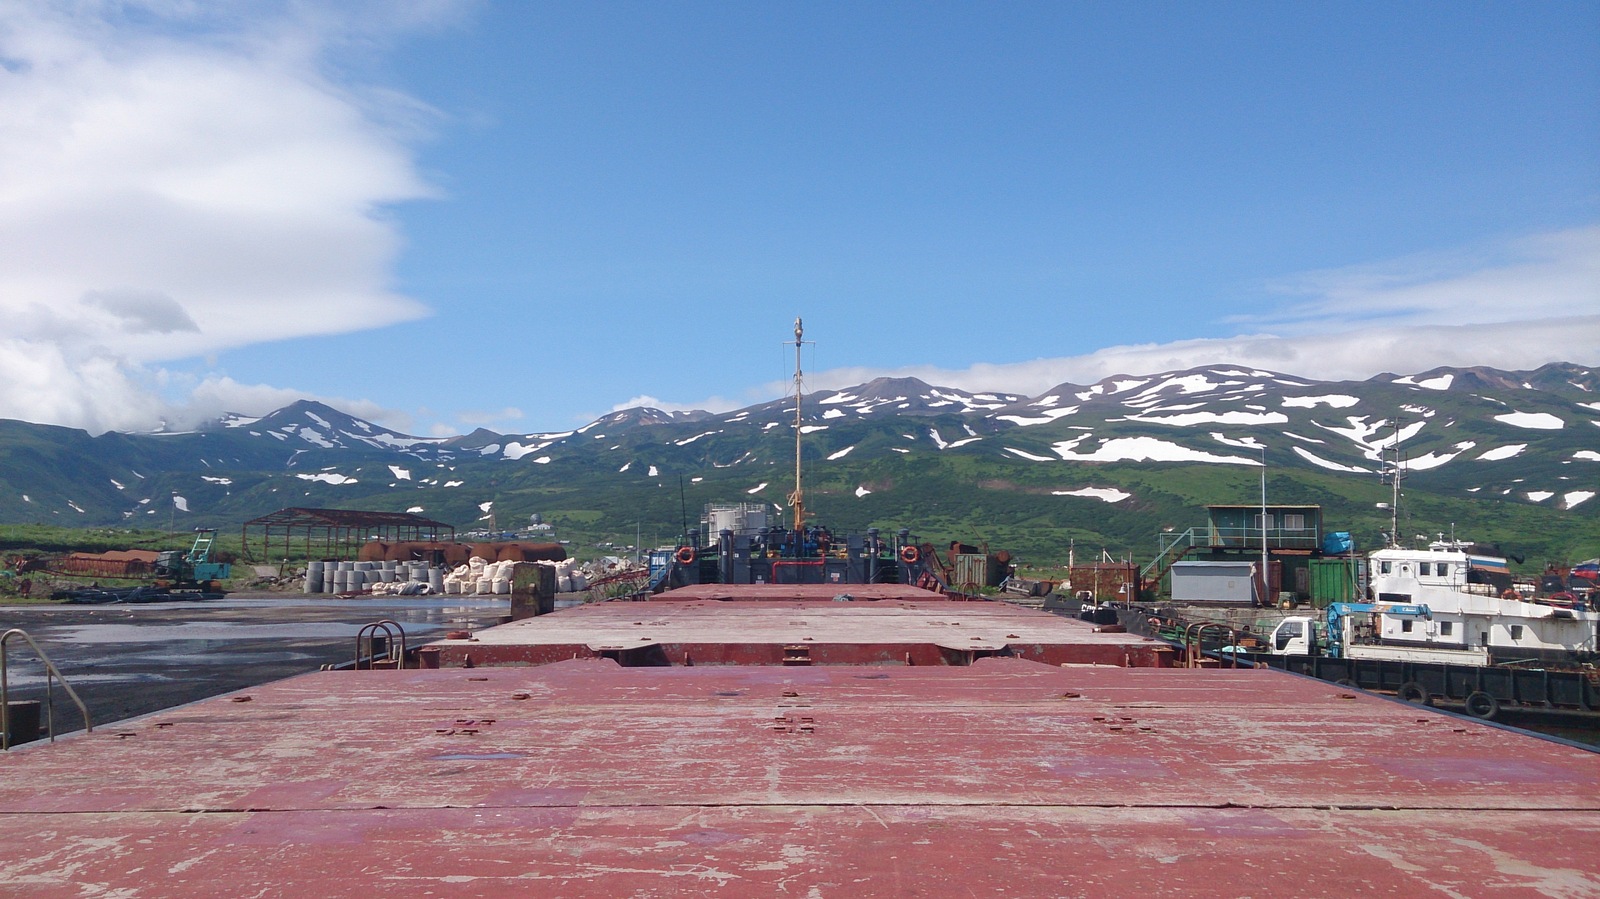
x: 799, y: 625
x: 1004, y: 778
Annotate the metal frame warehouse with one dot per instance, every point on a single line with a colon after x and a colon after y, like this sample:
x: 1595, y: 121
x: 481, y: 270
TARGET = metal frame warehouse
x: 339, y: 531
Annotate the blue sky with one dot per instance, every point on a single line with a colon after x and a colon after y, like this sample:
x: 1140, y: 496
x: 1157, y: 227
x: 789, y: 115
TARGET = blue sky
x: 523, y: 215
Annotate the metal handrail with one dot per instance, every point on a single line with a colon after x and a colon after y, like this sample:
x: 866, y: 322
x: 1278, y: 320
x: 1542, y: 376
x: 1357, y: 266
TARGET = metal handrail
x: 1182, y: 543
x: 1197, y: 631
x: 369, y: 632
x: 51, y: 673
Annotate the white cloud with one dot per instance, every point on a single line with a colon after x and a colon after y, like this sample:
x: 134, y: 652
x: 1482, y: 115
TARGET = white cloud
x: 179, y: 179
x: 1514, y: 306
x: 711, y: 404
x: 1543, y: 276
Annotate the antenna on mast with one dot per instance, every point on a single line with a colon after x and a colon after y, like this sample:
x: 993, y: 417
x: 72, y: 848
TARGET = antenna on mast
x: 797, y: 498
x: 1395, y: 475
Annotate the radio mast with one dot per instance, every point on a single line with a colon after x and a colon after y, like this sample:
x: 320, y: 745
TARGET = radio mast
x: 797, y: 498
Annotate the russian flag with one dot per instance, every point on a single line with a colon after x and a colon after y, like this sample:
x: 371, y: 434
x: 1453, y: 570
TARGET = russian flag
x: 1589, y: 570
x: 1489, y: 564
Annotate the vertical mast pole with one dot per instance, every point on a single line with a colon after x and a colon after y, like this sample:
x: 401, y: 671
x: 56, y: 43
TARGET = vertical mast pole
x: 1394, y: 504
x: 797, y: 499
x: 1266, y: 566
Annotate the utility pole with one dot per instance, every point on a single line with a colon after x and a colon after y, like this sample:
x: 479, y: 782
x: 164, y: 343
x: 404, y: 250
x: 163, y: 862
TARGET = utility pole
x: 1266, y: 581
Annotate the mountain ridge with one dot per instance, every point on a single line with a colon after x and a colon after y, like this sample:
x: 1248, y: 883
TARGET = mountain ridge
x: 1093, y: 458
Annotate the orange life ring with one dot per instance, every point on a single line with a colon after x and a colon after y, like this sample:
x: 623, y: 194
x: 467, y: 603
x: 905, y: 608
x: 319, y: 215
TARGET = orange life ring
x: 1509, y: 593
x: 685, y: 555
x: 910, y: 554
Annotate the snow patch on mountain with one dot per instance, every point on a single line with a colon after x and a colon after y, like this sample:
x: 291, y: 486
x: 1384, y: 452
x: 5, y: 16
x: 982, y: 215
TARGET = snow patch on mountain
x: 1435, y: 459
x: 1542, y: 421
x: 862, y: 491
x: 1221, y: 418
x: 1442, y: 382
x: 757, y: 488
x: 1364, y: 433
x: 1502, y: 452
x: 1246, y: 442
x: 1324, y: 463
x: 312, y: 437
x: 1046, y: 417
x: 1104, y: 494
x: 841, y: 453
x: 1140, y: 449
x: 1332, y: 400
x: 329, y: 477
x: 400, y: 474
x: 1026, y: 455
x: 1577, y: 496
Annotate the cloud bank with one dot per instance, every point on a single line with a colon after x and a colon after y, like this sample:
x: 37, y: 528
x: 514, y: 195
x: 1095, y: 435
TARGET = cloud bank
x: 165, y: 198
x: 1515, y: 306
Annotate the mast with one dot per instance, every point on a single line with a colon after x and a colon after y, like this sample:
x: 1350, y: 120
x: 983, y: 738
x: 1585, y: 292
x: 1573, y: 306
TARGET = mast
x: 1395, y: 475
x: 1265, y: 564
x: 797, y: 498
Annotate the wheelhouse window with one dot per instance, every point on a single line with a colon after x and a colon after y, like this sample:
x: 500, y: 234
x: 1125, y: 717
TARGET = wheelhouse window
x: 1516, y: 632
x: 1424, y: 569
x: 1442, y: 569
x: 1384, y: 567
x: 1405, y: 627
x: 1445, y: 627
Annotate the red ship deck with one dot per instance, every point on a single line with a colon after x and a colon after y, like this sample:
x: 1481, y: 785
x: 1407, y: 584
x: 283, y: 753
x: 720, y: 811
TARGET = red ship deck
x: 769, y: 624
x: 1006, y: 777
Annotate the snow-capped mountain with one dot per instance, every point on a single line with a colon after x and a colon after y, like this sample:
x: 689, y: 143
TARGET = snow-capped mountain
x: 1530, y: 439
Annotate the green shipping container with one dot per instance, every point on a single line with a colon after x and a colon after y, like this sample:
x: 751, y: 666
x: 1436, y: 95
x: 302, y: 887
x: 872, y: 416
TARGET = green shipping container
x: 1332, y: 580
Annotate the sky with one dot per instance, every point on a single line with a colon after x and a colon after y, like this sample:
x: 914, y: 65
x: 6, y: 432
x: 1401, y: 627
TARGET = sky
x: 444, y: 215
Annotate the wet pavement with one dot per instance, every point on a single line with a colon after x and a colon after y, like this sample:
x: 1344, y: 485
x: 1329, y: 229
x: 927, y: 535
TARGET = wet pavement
x: 135, y: 659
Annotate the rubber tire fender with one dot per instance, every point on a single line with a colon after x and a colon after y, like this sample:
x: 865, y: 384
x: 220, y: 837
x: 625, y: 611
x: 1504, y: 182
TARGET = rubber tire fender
x: 1413, y: 692
x: 1481, y: 705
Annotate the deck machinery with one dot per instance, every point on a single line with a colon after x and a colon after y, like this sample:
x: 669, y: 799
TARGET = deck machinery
x: 810, y: 555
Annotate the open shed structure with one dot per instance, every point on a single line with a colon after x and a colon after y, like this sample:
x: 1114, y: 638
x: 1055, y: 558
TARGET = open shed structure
x: 335, y: 533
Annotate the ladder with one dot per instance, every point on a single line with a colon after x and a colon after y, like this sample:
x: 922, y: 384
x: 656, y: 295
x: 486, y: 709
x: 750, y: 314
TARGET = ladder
x: 52, y: 674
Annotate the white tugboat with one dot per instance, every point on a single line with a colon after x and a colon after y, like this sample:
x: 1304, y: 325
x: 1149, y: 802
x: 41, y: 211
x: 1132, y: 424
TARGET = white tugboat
x: 1455, y: 602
